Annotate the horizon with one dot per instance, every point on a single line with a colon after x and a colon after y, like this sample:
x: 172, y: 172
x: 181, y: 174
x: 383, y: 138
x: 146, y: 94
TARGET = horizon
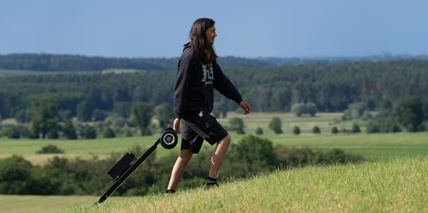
x: 270, y: 29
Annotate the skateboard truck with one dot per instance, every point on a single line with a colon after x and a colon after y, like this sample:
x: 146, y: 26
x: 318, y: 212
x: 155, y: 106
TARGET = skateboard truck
x: 128, y: 163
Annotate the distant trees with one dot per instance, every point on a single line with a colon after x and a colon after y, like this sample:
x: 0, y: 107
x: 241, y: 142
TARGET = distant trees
x: 304, y: 108
x: 141, y: 114
x: 43, y: 117
x: 69, y: 132
x: 237, y: 125
x: 410, y: 113
x: 300, y: 89
x: 165, y: 115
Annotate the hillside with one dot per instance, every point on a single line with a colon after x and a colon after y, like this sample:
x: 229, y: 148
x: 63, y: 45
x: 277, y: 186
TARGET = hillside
x: 397, y: 185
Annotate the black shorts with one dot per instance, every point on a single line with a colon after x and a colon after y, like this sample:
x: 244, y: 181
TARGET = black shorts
x: 196, y: 129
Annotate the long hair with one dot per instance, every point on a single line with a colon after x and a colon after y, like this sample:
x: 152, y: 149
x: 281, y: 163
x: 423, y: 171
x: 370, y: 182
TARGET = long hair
x: 199, y: 42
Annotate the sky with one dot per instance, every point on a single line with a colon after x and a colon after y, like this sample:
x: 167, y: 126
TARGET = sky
x: 245, y: 28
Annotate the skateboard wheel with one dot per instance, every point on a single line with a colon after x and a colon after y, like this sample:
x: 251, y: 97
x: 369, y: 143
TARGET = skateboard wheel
x: 168, y: 139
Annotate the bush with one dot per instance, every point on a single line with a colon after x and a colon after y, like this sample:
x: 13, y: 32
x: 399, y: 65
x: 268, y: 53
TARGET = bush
x: 334, y: 130
x: 355, y: 128
x: 259, y: 131
x: 344, y: 131
x: 276, y: 125
x: 299, y: 157
x: 50, y: 149
x: 11, y: 131
x: 128, y: 132
x: 88, y: 132
x: 109, y: 133
x: 372, y: 128
x: 337, y: 156
x: 302, y: 108
x: 68, y: 130
x: 316, y: 130
x: 296, y: 130
x: 237, y: 124
x: 27, y: 133
x: 255, y: 150
x: 15, y: 176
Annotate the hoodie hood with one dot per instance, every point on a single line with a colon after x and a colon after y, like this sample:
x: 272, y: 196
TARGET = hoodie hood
x: 187, y: 45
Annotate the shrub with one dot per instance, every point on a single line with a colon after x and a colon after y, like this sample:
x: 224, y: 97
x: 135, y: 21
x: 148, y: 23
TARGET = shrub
x: 334, y: 130
x: 68, y: 130
x: 259, y: 131
x: 89, y: 132
x: 355, y: 128
x: 372, y: 128
x: 237, y: 124
x: 276, y: 125
x: 50, y: 149
x: 316, y: 130
x: 296, y: 130
x: 344, y: 131
x: 109, y: 133
x: 11, y: 131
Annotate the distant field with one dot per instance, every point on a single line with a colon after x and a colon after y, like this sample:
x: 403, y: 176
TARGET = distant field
x: 7, y: 73
x: 370, y: 145
x: 325, y: 121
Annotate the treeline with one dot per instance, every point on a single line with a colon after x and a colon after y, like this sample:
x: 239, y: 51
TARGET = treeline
x: 68, y: 62
x: 246, y: 158
x: 55, y: 62
x: 331, y: 88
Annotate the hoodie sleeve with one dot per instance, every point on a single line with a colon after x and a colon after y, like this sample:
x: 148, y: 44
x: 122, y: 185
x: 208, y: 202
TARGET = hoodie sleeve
x: 186, y: 64
x: 224, y: 85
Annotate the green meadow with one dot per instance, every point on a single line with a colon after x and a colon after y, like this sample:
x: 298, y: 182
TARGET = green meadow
x: 8, y: 73
x: 374, y: 146
x: 394, y: 180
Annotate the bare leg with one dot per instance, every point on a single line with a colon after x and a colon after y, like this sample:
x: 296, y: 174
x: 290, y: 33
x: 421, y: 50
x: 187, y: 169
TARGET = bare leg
x: 218, y: 156
x: 179, y: 167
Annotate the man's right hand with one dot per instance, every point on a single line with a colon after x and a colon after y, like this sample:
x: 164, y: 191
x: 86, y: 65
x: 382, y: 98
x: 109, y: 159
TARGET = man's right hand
x: 176, y: 125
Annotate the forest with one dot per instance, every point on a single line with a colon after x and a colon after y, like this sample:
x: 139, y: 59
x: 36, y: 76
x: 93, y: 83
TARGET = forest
x: 331, y: 87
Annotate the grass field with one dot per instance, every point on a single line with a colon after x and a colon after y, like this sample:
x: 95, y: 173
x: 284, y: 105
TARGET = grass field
x: 396, y: 182
x: 396, y: 185
x: 7, y: 73
x: 325, y: 121
x: 369, y: 145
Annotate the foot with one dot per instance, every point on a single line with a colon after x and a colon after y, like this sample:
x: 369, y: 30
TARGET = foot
x: 211, y: 185
x: 169, y: 193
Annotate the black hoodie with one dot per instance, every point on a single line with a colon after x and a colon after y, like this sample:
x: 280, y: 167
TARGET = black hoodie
x: 194, y: 88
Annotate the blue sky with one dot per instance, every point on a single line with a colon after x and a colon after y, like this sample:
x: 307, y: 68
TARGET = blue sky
x: 269, y: 28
